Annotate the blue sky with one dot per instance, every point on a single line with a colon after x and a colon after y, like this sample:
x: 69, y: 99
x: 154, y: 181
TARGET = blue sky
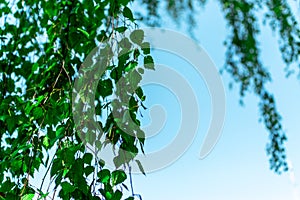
x: 238, y: 167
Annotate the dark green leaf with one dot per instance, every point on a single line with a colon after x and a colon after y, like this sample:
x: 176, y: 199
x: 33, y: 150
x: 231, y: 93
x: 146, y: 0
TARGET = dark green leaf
x: 145, y: 47
x: 88, y: 170
x: 105, y: 87
x: 148, y: 62
x: 67, y: 187
x: 121, y: 29
x: 104, y: 176
x: 118, y: 177
x: 130, y: 198
x: 117, y: 195
x: 127, y: 13
x: 87, y: 158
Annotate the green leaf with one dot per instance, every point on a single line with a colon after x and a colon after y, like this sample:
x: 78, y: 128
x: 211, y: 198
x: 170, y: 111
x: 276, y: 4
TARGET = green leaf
x: 139, y: 92
x: 87, y: 158
x: 104, y: 175
x: 131, y: 65
x: 88, y: 170
x: 116, y: 74
x: 124, y: 2
x: 118, y: 161
x: 105, y: 87
x: 145, y: 47
x: 124, y: 44
x: 38, y: 112
x: 137, y: 36
x: 34, y: 67
x: 68, y: 156
x: 101, y: 163
x: 16, y: 165
x: 140, y: 166
x: 117, y: 195
x: 56, y: 166
x: 27, y: 197
x: 108, y: 195
x: 3, y: 117
x: 121, y: 29
x: 6, y: 186
x: 127, y: 13
x: 148, y: 62
x: 65, y: 172
x: 98, y: 144
x: 118, y: 177
x: 11, y: 124
x: 136, y: 53
x: 140, y: 70
x: 67, y: 187
x: 59, y: 131
x: 46, y: 141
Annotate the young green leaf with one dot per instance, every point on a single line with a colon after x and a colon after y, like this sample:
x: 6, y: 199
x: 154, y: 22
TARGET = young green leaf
x: 27, y: 197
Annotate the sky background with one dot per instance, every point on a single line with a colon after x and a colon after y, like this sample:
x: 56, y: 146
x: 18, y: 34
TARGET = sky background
x: 238, y: 167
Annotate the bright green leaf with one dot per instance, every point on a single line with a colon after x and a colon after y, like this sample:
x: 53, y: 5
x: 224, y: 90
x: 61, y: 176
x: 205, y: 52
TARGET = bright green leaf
x: 130, y: 66
x: 27, y: 197
x: 84, y: 32
x: 46, y: 141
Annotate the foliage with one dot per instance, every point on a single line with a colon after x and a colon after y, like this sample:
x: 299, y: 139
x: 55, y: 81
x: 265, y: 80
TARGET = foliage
x: 243, y: 61
x: 42, y: 48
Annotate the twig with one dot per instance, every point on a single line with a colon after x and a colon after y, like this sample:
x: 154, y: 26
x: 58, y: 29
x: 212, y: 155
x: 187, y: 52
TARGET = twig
x: 63, y: 64
x: 46, y: 173
x: 130, y: 179
x: 67, y: 74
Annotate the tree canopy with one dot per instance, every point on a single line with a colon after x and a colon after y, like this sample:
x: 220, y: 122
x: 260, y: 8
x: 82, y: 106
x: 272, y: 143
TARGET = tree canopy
x: 45, y: 58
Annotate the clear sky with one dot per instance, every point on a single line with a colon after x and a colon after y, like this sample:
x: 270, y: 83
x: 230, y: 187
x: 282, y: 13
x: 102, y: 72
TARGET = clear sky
x: 238, y: 167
